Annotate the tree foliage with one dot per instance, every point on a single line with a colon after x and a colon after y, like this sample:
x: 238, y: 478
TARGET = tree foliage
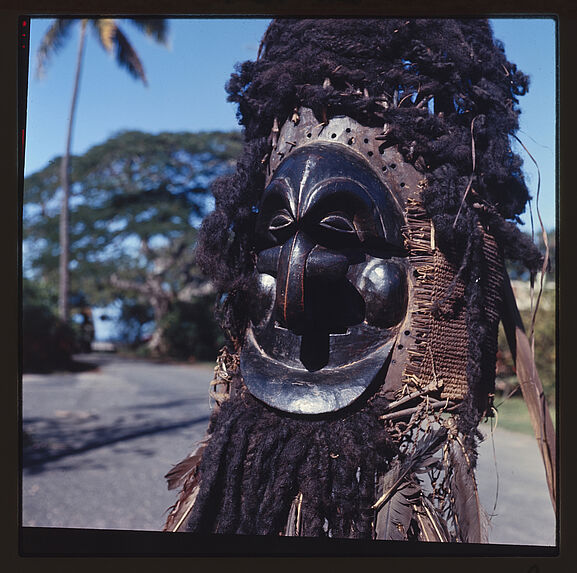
x: 47, y: 342
x: 136, y: 203
x: 137, y: 200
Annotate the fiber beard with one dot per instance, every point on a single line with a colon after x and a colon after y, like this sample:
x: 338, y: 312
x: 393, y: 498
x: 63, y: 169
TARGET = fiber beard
x: 259, y: 460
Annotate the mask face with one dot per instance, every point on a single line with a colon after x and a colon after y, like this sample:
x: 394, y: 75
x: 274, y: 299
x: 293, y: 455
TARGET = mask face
x: 331, y: 280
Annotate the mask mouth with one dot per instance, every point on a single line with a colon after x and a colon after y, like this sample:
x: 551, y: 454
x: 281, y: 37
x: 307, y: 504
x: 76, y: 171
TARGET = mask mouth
x: 315, y: 344
x: 287, y: 383
x: 315, y: 348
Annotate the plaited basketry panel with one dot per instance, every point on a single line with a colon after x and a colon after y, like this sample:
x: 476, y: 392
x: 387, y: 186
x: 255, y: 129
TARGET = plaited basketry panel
x: 447, y: 361
x: 493, y: 286
x: 493, y: 278
x: 438, y: 351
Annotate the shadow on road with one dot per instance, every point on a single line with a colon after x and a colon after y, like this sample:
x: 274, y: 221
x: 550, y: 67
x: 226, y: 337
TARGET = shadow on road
x: 73, y: 366
x: 62, y: 438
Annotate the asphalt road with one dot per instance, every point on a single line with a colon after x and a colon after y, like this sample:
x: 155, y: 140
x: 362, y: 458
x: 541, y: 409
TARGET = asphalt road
x: 98, y: 443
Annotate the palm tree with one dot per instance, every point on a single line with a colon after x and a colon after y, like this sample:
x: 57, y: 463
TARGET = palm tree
x: 112, y: 38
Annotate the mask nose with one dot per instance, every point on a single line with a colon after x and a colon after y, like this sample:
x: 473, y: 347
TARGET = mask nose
x: 290, y: 282
x: 302, y: 263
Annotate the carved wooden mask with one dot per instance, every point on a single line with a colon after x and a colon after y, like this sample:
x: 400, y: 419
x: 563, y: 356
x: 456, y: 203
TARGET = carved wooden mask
x: 332, y: 282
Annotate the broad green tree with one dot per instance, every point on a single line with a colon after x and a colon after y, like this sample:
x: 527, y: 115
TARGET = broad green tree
x: 113, y: 39
x: 136, y: 203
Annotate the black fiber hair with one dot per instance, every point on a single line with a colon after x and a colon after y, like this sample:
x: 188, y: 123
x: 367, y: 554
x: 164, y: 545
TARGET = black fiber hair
x: 449, y: 96
x: 453, y: 66
x: 259, y: 459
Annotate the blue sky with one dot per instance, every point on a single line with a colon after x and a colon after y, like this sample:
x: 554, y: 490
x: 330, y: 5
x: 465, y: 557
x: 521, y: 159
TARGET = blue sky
x: 186, y: 89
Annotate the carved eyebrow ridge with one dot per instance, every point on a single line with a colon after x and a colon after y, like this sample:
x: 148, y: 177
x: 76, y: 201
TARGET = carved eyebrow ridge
x: 271, y: 191
x: 312, y: 197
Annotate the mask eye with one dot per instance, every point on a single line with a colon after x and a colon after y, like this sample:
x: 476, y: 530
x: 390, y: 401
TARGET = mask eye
x: 280, y: 221
x: 338, y: 222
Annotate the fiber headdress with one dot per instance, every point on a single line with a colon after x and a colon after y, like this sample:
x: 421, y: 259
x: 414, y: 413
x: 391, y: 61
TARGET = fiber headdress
x: 430, y: 105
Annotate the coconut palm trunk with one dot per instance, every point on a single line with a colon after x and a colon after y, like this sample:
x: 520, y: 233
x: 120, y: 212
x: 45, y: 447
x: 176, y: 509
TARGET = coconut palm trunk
x: 112, y: 39
x: 64, y: 270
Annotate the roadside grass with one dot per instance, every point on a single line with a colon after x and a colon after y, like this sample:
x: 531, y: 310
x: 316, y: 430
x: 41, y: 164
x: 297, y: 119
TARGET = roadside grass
x: 513, y: 415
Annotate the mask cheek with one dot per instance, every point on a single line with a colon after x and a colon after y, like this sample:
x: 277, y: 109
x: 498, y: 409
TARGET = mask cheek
x: 262, y: 304
x: 383, y: 286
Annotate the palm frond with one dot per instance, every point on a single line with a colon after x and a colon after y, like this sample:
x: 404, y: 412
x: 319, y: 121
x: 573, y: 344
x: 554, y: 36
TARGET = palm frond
x: 155, y: 28
x: 106, y: 32
x: 126, y: 56
x: 53, y: 40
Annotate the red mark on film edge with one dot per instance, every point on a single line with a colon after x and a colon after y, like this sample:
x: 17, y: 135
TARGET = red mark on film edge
x: 25, y: 33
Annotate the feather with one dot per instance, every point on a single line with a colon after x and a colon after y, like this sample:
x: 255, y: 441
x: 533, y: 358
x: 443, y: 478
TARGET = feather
x: 420, y: 458
x: 432, y: 526
x: 184, y: 474
x: 180, y: 510
x: 185, y: 469
x: 470, y: 516
x: 394, y: 518
x: 403, y: 503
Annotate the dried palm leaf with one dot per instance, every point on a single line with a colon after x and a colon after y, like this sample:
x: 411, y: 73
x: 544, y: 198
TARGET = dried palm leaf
x: 180, y: 511
x: 294, y: 521
x: 531, y: 387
